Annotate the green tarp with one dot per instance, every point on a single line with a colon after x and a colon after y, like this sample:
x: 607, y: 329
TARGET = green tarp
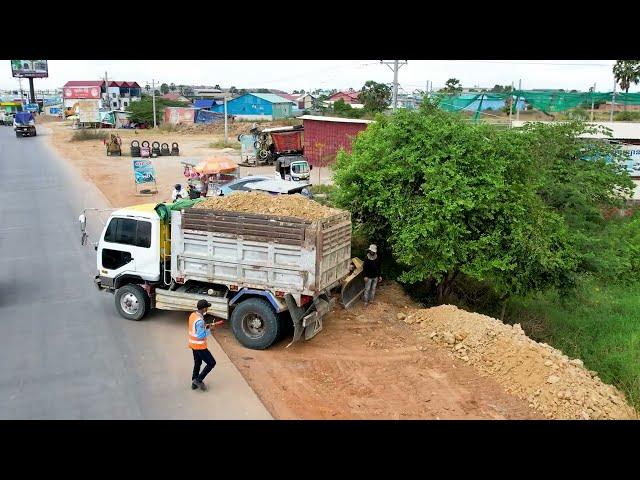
x: 547, y: 101
x: 164, y: 209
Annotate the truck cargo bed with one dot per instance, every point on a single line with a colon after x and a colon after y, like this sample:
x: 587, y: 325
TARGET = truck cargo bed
x: 260, y: 251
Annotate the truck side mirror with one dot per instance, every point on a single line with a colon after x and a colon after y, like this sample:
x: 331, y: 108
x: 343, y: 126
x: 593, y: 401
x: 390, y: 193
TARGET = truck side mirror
x: 310, y: 167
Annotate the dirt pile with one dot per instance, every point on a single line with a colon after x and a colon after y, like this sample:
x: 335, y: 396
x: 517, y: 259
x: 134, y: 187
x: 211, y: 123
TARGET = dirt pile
x: 536, y: 372
x: 263, y: 203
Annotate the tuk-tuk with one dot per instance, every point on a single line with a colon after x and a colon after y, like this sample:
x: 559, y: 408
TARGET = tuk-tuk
x: 294, y: 168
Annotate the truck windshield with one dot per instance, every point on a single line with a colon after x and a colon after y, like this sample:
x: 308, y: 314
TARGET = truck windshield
x: 300, y: 168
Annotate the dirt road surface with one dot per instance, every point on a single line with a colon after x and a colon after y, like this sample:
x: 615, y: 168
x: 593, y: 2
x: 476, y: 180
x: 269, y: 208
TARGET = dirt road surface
x: 114, y: 175
x: 365, y: 364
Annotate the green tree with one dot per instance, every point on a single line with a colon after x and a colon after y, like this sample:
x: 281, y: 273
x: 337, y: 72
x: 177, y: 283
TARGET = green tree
x: 164, y: 88
x: 375, y: 96
x: 626, y: 72
x: 217, y: 87
x: 233, y: 90
x: 142, y: 110
x: 172, y: 87
x: 449, y: 199
x: 452, y: 86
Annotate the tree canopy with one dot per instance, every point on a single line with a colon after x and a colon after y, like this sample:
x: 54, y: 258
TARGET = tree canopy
x: 375, y: 96
x: 448, y: 197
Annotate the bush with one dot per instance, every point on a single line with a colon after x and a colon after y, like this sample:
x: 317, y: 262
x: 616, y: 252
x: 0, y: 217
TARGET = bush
x: 626, y: 116
x: 89, y: 134
x: 579, y: 114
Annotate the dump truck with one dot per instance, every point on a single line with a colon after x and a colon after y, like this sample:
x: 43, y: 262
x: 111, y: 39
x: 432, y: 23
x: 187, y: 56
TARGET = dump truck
x: 262, y: 273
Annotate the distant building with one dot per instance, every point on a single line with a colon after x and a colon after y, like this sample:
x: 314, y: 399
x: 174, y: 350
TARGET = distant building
x: 348, y: 97
x: 204, y: 104
x: 175, y: 97
x: 117, y: 96
x: 258, y: 106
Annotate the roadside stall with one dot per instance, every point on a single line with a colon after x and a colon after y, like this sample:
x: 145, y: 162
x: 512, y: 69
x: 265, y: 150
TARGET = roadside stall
x: 205, y: 178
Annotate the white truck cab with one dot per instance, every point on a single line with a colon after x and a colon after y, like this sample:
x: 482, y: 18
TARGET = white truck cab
x: 130, y: 245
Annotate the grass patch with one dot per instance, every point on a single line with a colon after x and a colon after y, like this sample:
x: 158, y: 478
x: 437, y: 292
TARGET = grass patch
x: 220, y: 144
x: 599, y: 325
x: 88, y: 134
x: 324, y: 194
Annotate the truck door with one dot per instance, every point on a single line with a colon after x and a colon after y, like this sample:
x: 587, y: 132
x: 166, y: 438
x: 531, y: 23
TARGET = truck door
x: 126, y: 248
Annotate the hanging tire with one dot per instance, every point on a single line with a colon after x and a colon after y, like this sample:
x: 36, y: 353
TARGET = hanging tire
x: 132, y: 302
x: 255, y: 324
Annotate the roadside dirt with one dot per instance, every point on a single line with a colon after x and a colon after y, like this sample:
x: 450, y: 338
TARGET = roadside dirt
x: 114, y: 175
x: 365, y: 364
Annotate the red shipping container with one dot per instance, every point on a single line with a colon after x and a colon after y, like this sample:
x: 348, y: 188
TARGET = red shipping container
x: 324, y: 136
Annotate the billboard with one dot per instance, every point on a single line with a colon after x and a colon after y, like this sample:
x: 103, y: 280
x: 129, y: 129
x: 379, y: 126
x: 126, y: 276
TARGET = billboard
x: 88, y: 111
x: 176, y: 115
x: 29, y: 68
x: 633, y: 162
x: 143, y: 171
x: 81, y: 92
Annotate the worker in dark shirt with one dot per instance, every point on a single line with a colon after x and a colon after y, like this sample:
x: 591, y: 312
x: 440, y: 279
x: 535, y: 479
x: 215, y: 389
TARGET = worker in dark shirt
x: 372, y: 276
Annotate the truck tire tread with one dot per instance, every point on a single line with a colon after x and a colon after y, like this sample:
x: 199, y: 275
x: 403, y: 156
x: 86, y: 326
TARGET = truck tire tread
x: 269, y: 316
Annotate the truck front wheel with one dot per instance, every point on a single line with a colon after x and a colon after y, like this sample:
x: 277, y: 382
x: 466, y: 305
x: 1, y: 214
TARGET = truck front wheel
x: 132, y: 302
x: 255, y: 324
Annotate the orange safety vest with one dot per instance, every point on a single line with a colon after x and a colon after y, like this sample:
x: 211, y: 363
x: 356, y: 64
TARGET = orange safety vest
x: 194, y: 342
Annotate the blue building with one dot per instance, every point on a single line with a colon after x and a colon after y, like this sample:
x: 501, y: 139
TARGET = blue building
x: 257, y: 106
x: 204, y: 104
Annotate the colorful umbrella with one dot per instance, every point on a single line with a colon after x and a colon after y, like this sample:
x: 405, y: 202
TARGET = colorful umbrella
x: 216, y: 165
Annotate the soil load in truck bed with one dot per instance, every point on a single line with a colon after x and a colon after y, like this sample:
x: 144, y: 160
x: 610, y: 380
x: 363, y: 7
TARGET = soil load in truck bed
x: 262, y: 203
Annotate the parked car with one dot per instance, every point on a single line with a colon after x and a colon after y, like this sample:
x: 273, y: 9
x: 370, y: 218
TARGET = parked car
x: 240, y: 185
x: 282, y: 187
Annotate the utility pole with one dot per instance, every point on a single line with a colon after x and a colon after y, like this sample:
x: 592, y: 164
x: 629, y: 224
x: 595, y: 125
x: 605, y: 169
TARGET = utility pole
x: 518, y: 100
x: 106, y: 90
x: 613, y: 101
x: 396, y: 66
x: 593, y: 94
x: 153, y: 93
x: 21, y: 92
x: 226, y: 131
x: 511, y: 107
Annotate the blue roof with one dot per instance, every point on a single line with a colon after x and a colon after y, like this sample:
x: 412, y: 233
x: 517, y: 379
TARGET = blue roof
x: 204, y: 103
x: 270, y: 97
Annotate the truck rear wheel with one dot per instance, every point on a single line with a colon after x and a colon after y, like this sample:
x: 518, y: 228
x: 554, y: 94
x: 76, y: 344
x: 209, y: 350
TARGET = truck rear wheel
x: 255, y: 324
x: 132, y: 302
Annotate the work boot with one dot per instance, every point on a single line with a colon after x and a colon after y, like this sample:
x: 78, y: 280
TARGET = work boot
x: 194, y: 385
x: 201, y: 384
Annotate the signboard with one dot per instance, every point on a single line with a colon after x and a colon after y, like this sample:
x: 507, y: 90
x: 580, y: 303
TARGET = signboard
x: 143, y: 171
x: 108, y: 117
x: 88, y: 111
x: 633, y: 162
x: 247, y: 146
x: 55, y: 110
x: 29, y: 68
x: 32, y: 107
x: 176, y: 115
x: 81, y: 92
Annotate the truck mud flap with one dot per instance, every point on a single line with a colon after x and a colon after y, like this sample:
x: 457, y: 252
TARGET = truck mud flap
x: 307, y: 321
x: 353, y: 285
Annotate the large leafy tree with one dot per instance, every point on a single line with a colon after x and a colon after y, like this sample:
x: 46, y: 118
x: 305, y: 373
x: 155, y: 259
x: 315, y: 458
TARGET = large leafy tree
x: 450, y: 198
x: 142, y: 111
x: 164, y: 88
x: 452, y: 86
x: 626, y: 72
x: 375, y: 96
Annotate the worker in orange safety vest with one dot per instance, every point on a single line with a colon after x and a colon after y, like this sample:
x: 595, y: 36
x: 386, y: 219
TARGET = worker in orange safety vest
x: 198, y: 333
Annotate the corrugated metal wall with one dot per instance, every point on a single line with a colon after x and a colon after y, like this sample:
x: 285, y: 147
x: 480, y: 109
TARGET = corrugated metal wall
x: 323, y: 139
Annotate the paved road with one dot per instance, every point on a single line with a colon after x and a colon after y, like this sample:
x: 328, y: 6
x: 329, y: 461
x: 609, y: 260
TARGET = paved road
x: 64, y: 351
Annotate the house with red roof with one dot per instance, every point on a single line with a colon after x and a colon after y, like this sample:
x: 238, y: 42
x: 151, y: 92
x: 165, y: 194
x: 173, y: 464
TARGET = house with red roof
x: 348, y: 97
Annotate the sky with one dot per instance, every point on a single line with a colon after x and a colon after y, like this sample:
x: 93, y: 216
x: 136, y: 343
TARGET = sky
x: 291, y: 75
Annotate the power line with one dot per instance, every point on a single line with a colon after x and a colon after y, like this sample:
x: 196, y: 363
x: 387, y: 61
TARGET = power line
x: 396, y: 66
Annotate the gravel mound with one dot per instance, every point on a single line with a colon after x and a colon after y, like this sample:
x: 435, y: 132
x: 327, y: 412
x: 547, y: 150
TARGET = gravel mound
x: 264, y: 203
x: 553, y: 384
